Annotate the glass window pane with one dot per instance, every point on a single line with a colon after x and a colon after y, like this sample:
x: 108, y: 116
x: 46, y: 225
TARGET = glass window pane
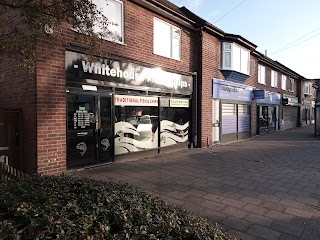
x: 162, y: 38
x: 136, y: 124
x: 227, y: 60
x: 176, y: 48
x: 112, y: 10
x: 244, y: 61
x: 174, y: 125
x: 236, y: 59
x: 227, y: 46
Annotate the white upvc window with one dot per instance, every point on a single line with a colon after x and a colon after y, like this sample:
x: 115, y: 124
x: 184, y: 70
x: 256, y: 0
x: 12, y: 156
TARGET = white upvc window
x: 261, y: 74
x: 235, y: 58
x: 113, y: 12
x: 284, y: 82
x: 307, y: 88
x: 274, y: 79
x: 166, y: 40
x: 292, y: 85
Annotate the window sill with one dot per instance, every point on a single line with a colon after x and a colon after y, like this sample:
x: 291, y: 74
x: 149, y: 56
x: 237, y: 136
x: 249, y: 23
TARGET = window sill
x: 262, y: 83
x: 179, y: 60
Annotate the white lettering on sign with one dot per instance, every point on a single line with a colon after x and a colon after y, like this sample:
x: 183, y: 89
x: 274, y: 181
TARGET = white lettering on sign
x: 231, y: 89
x: 120, y: 100
x: 158, y: 76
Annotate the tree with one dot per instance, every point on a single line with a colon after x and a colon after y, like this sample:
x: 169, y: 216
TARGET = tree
x: 22, y: 21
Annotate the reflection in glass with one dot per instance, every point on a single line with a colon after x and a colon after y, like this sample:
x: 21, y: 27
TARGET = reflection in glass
x: 136, y: 128
x: 174, y: 125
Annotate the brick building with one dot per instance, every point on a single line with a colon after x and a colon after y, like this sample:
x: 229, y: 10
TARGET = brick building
x: 166, y: 80
x: 135, y: 97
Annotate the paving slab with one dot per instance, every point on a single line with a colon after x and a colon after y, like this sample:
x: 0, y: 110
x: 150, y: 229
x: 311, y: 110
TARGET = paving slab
x: 267, y: 187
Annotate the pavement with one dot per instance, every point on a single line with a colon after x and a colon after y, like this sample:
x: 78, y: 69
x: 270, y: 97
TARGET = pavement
x: 266, y: 188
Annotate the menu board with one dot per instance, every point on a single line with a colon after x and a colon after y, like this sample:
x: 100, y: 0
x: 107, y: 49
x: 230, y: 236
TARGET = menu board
x: 81, y: 119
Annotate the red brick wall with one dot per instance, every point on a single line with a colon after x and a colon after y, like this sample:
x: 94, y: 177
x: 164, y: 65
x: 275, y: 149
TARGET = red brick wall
x: 211, y: 61
x: 51, y: 91
x: 17, y: 91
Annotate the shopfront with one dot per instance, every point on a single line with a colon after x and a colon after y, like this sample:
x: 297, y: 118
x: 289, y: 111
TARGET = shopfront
x: 307, y: 111
x: 231, y: 111
x: 290, y: 111
x: 268, y: 106
x: 116, y: 108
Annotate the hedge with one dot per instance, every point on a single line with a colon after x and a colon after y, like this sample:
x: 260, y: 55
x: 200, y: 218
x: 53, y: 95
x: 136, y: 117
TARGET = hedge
x: 65, y: 207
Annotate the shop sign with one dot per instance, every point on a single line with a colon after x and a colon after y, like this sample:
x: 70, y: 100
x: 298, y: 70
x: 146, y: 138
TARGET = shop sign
x: 184, y: 103
x: 124, y: 100
x: 306, y: 102
x: 164, y: 102
x: 101, y: 71
x: 270, y: 98
x: 291, y: 100
x: 222, y: 89
x: 258, y: 94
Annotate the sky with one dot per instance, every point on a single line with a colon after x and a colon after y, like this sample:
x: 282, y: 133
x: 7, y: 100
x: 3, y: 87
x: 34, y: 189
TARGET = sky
x: 288, y: 29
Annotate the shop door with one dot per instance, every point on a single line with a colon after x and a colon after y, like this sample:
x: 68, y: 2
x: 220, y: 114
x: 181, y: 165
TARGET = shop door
x: 215, y: 121
x: 89, y: 130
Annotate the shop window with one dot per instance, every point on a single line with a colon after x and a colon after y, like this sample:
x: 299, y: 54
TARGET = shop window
x: 174, y: 121
x: 261, y: 74
x: 274, y: 79
x: 136, y: 124
x: 166, y: 40
x: 111, y: 24
x: 235, y: 58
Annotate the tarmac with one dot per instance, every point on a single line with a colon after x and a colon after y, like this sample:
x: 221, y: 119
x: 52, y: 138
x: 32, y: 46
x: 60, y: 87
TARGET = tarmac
x: 267, y: 187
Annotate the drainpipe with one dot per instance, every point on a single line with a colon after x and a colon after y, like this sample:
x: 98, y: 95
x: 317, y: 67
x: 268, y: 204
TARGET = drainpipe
x: 299, y: 90
x: 195, y: 97
x: 199, y: 90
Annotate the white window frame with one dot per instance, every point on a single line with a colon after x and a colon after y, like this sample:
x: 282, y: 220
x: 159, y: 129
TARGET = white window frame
x: 111, y: 39
x: 261, y: 74
x: 307, y: 88
x: 172, y: 28
x: 274, y: 79
x: 243, y: 68
x: 291, y: 85
x: 284, y: 82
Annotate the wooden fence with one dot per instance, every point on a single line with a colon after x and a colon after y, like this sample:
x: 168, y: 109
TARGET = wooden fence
x: 7, y: 172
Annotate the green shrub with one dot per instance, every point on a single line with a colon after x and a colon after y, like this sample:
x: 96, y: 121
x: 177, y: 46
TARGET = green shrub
x: 71, y: 208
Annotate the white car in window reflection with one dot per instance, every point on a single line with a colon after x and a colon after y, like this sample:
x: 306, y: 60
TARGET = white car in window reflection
x: 147, y: 125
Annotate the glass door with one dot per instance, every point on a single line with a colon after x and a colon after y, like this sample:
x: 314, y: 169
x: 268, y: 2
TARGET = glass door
x: 88, y: 130
x: 104, y: 130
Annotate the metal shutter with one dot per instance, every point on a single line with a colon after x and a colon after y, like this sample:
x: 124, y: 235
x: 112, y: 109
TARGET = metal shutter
x: 290, y: 116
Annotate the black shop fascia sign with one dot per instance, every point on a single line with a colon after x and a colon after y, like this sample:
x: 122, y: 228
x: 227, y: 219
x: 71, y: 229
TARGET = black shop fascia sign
x: 113, y: 73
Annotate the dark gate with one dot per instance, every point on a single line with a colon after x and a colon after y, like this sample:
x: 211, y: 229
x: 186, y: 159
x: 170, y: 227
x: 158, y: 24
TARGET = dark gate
x: 10, y: 137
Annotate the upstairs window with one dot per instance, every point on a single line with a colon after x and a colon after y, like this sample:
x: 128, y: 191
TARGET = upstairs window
x: 113, y: 12
x: 284, y: 83
x: 292, y: 85
x: 235, y: 58
x: 261, y: 74
x: 166, y: 40
x: 307, y: 88
x: 274, y: 79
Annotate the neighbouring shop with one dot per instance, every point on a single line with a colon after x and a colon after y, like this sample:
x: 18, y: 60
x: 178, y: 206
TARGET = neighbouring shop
x: 115, y: 108
x: 290, y: 111
x: 268, y: 105
x: 307, y: 111
x: 231, y: 111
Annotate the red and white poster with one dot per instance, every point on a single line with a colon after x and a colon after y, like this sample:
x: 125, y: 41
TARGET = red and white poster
x: 122, y: 100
